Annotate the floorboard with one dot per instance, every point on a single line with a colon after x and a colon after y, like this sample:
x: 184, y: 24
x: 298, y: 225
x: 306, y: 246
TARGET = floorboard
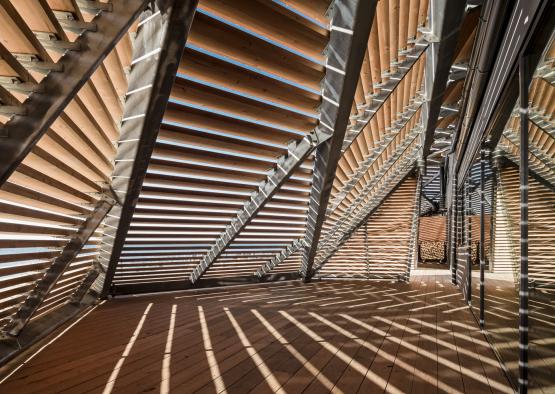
x: 289, y: 337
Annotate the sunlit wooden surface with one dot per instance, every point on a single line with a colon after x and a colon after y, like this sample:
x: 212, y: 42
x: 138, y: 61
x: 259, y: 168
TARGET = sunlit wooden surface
x: 340, y: 336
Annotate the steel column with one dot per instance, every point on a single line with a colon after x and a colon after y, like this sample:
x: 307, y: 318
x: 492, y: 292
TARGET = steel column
x: 57, y: 89
x: 468, y: 218
x: 524, y: 83
x: 158, y: 48
x: 482, y: 235
x: 454, y: 225
x: 414, y: 245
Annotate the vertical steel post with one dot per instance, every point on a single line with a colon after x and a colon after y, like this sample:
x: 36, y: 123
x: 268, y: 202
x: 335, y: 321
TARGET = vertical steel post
x: 454, y: 218
x: 524, y: 82
x: 482, y: 235
x: 442, y: 187
x: 468, y: 218
x: 366, y: 255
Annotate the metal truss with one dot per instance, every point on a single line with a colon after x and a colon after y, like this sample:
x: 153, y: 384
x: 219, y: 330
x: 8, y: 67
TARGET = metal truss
x: 386, y: 89
x: 390, y: 182
x: 280, y: 257
x: 158, y: 49
x: 35, y: 116
x: 370, y: 159
x: 287, y: 164
x: 547, y: 161
x: 45, y: 284
x: 349, y: 33
x: 353, y: 217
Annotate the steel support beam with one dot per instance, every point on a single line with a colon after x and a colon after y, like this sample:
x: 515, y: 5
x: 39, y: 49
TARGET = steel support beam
x: 524, y: 84
x: 57, y: 89
x: 482, y: 237
x: 386, y: 89
x: 455, y: 217
x: 350, y: 30
x: 158, y: 49
x: 445, y: 18
x: 280, y: 258
x: 57, y: 268
x: 364, y: 193
x: 414, y: 247
x: 86, y: 284
x: 297, y: 153
x: 468, y: 236
x: 411, y: 110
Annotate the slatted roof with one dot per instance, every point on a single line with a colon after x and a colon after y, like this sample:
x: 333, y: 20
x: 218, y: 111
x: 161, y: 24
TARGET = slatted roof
x: 135, y: 163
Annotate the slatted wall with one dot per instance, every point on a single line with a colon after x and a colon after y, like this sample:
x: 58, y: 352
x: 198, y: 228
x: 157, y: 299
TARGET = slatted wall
x: 380, y: 248
x: 57, y: 185
x: 541, y: 235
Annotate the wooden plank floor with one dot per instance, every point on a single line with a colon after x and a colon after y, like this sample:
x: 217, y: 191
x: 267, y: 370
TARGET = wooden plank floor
x: 289, y: 337
x: 502, y: 324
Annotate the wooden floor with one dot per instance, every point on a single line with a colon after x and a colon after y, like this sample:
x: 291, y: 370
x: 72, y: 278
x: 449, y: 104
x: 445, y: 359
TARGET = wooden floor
x: 339, y: 336
x: 502, y: 325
